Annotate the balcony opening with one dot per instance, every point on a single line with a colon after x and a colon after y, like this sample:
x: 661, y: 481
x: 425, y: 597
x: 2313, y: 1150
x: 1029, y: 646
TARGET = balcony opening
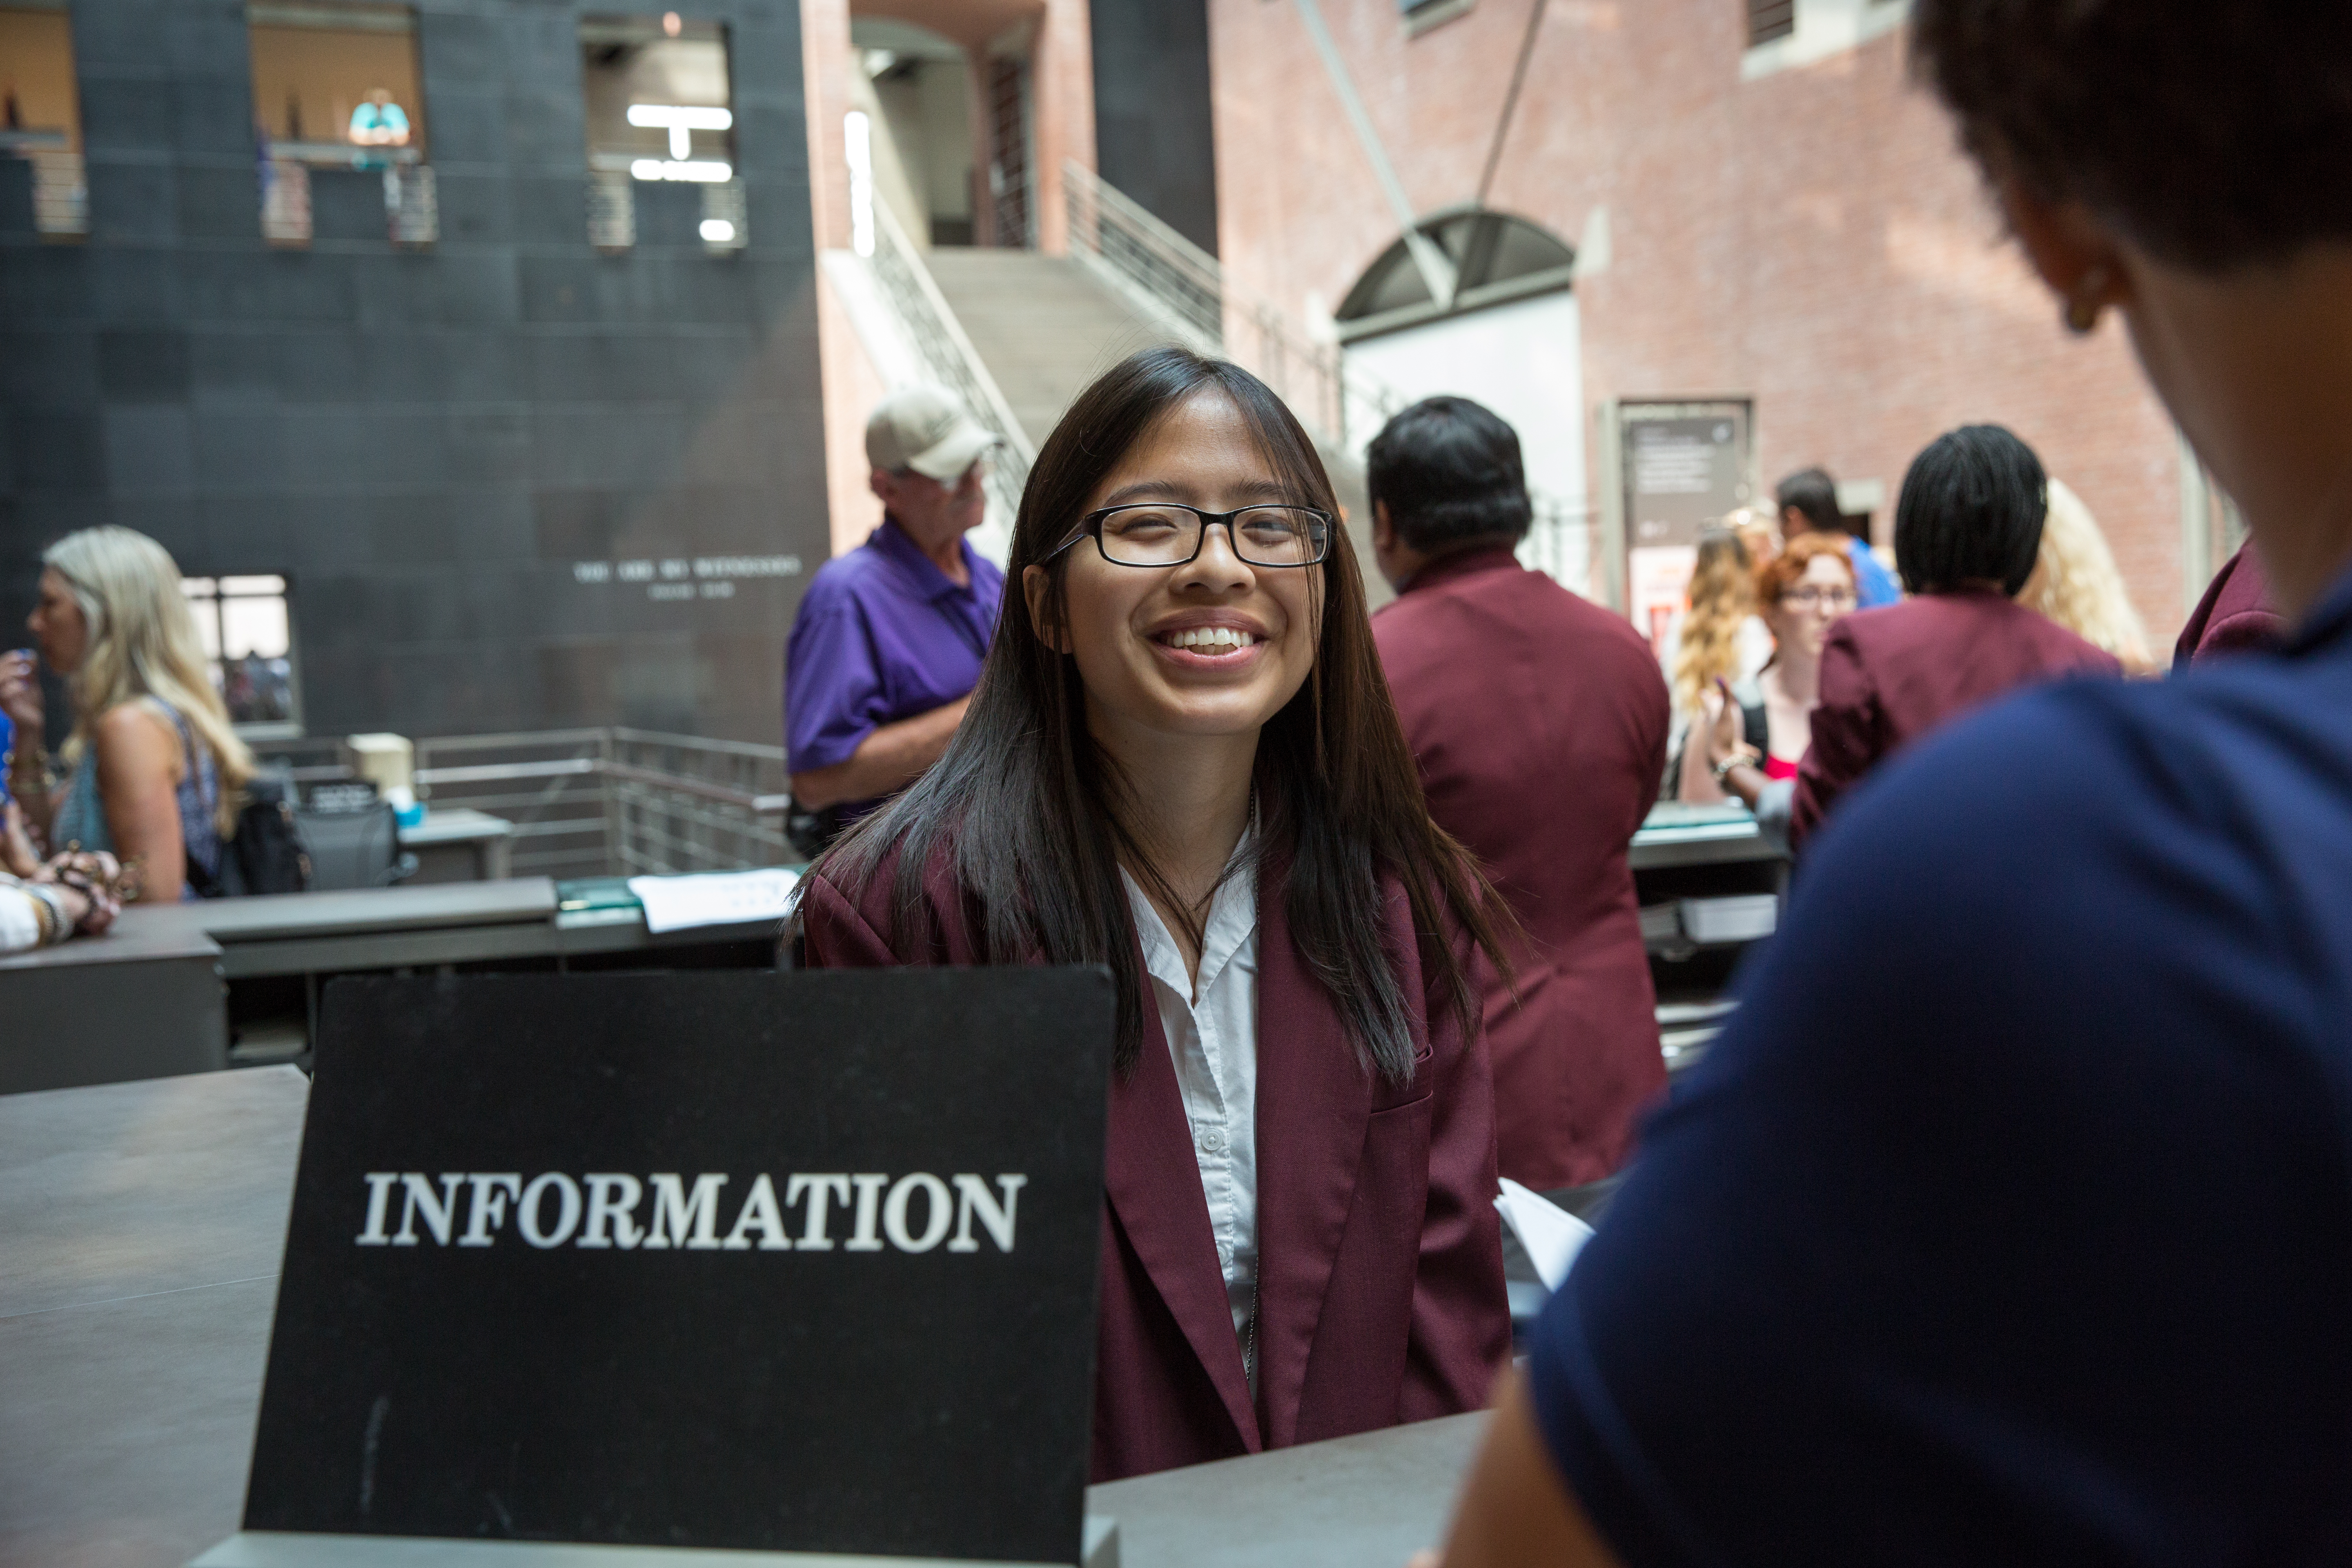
x: 339, y: 113
x: 249, y: 637
x: 915, y: 88
x: 41, y: 180
x: 661, y: 134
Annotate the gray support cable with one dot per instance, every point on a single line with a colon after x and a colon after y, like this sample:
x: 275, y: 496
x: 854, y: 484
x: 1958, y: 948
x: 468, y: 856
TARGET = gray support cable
x: 1436, y: 272
x: 1511, y: 100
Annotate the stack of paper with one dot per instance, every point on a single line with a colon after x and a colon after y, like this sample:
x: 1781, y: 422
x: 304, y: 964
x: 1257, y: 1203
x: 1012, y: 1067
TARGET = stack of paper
x: 1552, y: 1236
x: 715, y: 898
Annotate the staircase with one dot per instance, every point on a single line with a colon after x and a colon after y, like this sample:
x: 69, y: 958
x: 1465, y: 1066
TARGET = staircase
x: 1044, y: 325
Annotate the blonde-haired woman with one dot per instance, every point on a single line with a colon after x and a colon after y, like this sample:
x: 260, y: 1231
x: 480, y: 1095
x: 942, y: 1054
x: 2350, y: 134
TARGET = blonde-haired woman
x: 155, y: 771
x: 1721, y: 639
x: 2076, y: 583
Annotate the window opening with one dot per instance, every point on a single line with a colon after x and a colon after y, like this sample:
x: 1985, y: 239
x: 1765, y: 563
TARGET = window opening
x: 1008, y: 163
x: 338, y: 115
x: 40, y: 125
x: 1770, y: 19
x: 914, y: 87
x: 246, y: 630
x: 661, y: 134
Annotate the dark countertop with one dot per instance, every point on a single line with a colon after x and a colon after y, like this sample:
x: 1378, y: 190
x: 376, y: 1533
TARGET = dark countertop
x: 144, y: 1224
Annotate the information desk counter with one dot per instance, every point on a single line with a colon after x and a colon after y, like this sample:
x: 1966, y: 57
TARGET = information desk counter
x: 235, y: 982
x: 1710, y: 885
x: 189, y: 987
x: 145, y: 1224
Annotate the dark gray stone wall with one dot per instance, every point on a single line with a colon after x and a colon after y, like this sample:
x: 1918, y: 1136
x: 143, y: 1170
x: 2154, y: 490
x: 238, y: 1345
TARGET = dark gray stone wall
x: 1153, y: 135
x: 427, y: 443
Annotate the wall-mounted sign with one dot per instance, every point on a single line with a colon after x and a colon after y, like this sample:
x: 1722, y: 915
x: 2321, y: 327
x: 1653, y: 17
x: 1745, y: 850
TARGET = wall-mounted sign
x: 1681, y: 464
x: 687, y: 577
x: 793, y: 1262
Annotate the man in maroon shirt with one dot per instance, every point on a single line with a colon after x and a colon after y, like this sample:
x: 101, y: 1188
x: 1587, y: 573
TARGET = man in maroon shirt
x: 1540, y: 724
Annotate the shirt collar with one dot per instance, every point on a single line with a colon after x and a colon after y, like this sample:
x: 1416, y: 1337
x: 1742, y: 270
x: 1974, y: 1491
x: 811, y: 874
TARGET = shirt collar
x: 2329, y: 622
x: 1232, y: 916
x: 1463, y: 563
x: 893, y: 541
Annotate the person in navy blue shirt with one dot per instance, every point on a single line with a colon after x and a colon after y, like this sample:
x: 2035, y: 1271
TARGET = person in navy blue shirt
x: 888, y: 639
x: 2011, y: 1220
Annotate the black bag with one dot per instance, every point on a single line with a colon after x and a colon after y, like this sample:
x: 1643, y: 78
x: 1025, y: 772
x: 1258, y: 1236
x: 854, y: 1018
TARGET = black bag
x: 265, y: 854
x: 813, y: 832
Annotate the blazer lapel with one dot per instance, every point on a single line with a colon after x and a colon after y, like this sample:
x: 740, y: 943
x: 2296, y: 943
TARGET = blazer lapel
x: 1314, y: 1096
x: 1153, y: 1181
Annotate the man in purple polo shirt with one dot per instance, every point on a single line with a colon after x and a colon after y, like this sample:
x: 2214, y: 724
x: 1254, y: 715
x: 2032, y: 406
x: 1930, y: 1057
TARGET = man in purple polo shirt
x: 888, y: 641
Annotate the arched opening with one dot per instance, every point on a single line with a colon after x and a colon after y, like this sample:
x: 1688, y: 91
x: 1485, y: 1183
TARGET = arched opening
x: 1495, y: 256
x: 1510, y: 337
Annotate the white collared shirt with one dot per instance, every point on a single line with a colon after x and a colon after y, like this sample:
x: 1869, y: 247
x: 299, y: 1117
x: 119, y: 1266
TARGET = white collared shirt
x: 1213, y: 1038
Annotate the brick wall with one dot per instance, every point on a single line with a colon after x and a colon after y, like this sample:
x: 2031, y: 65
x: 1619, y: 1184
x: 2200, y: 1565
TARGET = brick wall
x: 1811, y: 237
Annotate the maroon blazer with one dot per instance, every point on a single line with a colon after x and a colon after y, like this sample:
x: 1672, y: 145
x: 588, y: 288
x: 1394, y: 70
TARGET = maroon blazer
x: 2236, y: 614
x: 1381, y: 1294
x: 1890, y: 675
x: 1540, y: 722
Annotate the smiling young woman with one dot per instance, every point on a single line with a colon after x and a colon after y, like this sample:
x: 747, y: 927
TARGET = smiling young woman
x: 1181, y: 762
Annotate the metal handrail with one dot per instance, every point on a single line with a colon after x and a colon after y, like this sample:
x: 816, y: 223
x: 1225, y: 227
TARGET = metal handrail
x: 759, y: 805
x: 1114, y: 235
x: 748, y: 749
x: 1148, y: 260
x: 949, y: 356
x: 484, y: 773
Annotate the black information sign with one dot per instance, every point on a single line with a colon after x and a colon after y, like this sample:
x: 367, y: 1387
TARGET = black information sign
x: 795, y: 1262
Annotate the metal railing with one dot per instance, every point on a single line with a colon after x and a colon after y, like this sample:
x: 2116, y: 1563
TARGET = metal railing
x: 551, y: 785
x: 597, y: 802
x: 1183, y: 284
x: 948, y: 358
x: 681, y: 804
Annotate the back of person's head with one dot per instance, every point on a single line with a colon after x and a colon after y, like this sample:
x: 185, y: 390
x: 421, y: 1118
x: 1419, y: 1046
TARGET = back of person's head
x: 1970, y: 512
x: 1448, y: 469
x: 2076, y: 582
x: 1811, y: 494
x: 1029, y: 806
x: 1722, y: 597
x: 142, y: 642
x: 1775, y: 577
x: 1759, y: 528
x: 2215, y: 133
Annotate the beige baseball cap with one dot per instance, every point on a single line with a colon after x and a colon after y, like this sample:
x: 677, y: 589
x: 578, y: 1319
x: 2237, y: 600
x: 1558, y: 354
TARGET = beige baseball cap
x: 925, y: 429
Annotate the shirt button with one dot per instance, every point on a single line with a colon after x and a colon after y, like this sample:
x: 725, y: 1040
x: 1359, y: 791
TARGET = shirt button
x: 1213, y: 1142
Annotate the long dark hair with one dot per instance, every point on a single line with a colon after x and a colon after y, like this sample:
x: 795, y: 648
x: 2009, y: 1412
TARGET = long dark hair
x: 1026, y: 805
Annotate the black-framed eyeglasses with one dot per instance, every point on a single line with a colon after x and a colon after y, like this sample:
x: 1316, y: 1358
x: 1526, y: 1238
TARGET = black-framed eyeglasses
x: 1168, y: 533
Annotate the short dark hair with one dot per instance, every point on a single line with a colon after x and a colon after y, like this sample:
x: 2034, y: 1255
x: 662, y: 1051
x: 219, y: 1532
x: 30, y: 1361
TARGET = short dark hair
x: 1812, y: 495
x: 1971, y: 511
x: 1449, y: 471
x: 2215, y: 133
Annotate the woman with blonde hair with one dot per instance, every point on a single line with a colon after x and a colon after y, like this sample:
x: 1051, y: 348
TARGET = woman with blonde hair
x: 155, y: 771
x: 2076, y: 583
x: 1721, y: 640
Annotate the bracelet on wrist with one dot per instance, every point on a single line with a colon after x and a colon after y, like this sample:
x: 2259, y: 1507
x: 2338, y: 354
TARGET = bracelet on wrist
x: 55, y: 922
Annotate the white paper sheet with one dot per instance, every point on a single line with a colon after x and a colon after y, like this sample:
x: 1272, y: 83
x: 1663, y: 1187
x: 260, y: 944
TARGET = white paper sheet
x: 714, y: 898
x: 1552, y: 1236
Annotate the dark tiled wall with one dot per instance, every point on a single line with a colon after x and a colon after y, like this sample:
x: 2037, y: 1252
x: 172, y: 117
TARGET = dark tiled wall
x: 1153, y: 135
x: 427, y: 443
